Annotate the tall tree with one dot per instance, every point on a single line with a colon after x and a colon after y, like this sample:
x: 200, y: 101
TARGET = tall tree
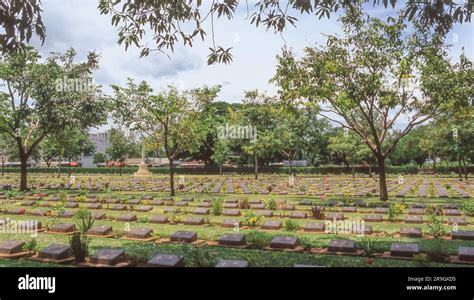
x: 366, y: 77
x: 70, y: 144
x: 42, y: 98
x: 119, y: 147
x: 350, y: 148
x: 170, y: 119
x: 221, y: 153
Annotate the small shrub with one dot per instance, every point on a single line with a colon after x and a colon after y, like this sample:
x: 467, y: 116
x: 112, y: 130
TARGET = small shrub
x: 270, y: 204
x: 31, y: 246
x: 79, y: 247
x: 316, y: 212
x: 468, y: 208
x: 175, y: 219
x: 85, y: 220
x: 369, y: 245
x: 290, y: 225
x: 216, y: 207
x: 252, y: 220
x: 81, y: 198
x: 421, y: 259
x: 438, y: 252
x: 395, y: 210
x: 244, y: 204
x: 436, y: 227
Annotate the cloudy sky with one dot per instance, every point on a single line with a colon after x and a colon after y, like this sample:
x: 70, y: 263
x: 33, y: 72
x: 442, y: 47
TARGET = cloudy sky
x: 78, y: 24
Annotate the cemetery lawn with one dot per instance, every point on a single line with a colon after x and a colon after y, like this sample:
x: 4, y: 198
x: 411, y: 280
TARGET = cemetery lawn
x: 207, y: 254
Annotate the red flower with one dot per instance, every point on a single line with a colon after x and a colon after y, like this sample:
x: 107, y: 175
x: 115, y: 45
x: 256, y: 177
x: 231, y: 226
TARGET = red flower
x: 22, y: 210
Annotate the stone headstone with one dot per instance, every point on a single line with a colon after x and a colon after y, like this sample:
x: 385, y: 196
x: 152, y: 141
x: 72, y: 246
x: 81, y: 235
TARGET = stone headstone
x: 143, y: 208
x: 334, y: 216
x: 381, y: 210
x: 158, y: 220
x: 11, y: 247
x: 466, y: 253
x: 298, y: 215
x: 166, y: 261
x: 231, y: 212
x: 349, y: 209
x: 63, y: 228
x: 373, y: 218
x: 257, y: 206
x: 342, y: 246
x: 108, y: 257
x: 231, y: 223
x: 119, y: 207
x: 193, y: 221
x: 184, y: 236
x: 55, y: 251
x: 71, y: 205
x: 233, y: 240
x: 416, y: 211
x: 94, y: 206
x: 410, y: 219
x: 227, y: 263
x: 284, y: 242
x: 157, y: 202
x: 452, y: 212
x: 411, y: 232
x: 126, y: 218
x: 100, y: 230
x: 272, y: 225
x: 67, y: 214
x: 265, y: 213
x: 462, y: 235
x: 201, y: 211
x: 230, y: 205
x: 99, y: 215
x: 404, y: 249
x: 314, y: 227
x: 140, y: 233
x: 457, y: 220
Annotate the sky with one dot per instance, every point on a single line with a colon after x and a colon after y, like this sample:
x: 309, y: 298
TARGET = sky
x: 78, y: 24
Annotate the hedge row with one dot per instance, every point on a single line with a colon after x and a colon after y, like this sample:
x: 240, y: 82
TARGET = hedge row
x: 245, y: 170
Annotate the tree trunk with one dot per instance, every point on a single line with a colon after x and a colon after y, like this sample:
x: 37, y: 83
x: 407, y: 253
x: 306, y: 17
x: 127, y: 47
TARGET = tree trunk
x: 434, y: 165
x: 59, y: 168
x: 24, y: 172
x: 290, y: 160
x: 466, y: 176
x: 459, y: 167
x: 353, y: 172
x: 172, y: 193
x: 256, y: 167
x: 370, y: 170
x: 382, y: 178
x: 220, y: 170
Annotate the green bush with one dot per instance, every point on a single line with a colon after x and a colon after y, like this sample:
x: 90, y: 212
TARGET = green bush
x: 395, y: 210
x: 435, y: 226
x: 86, y: 220
x: 468, y: 208
x: 290, y: 225
x: 79, y: 247
x: 216, y: 207
x: 270, y: 204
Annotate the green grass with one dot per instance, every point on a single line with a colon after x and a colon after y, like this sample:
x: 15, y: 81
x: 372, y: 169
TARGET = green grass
x: 209, y: 256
